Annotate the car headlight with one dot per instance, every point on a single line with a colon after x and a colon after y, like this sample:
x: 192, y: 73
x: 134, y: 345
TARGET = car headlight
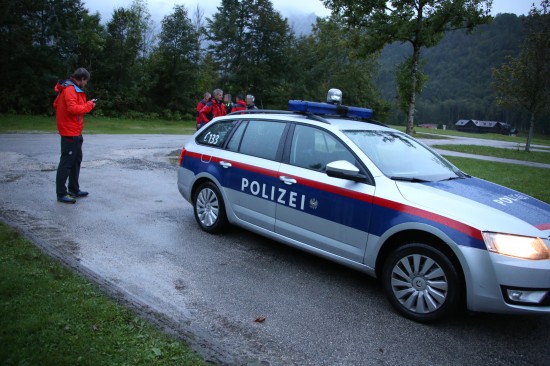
x: 524, y: 247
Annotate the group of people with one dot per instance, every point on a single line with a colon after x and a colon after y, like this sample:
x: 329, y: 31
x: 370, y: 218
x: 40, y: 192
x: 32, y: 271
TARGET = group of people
x: 217, y: 104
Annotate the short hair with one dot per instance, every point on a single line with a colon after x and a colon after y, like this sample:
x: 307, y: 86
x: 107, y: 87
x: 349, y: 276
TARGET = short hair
x: 217, y: 92
x: 240, y: 97
x: 81, y: 74
x: 250, y: 96
x: 207, y: 95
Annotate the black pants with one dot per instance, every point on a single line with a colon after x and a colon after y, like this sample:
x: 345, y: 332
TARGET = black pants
x: 69, y: 164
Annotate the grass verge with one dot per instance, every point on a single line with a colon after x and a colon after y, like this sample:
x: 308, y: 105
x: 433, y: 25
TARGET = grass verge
x: 529, y: 180
x: 52, y: 316
x: 97, y: 125
x: 533, y: 156
x: 423, y: 133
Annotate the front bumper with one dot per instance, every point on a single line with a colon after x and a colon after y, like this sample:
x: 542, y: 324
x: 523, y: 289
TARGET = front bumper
x: 489, y: 276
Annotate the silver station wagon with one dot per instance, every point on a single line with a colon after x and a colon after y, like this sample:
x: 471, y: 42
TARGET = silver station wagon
x: 324, y: 179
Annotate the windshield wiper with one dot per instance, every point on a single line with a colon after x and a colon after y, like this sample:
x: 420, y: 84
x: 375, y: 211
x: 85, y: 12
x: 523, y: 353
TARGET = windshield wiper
x: 457, y: 177
x: 452, y: 178
x: 409, y: 179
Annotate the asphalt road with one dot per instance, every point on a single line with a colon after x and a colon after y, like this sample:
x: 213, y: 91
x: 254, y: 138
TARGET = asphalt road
x: 137, y: 237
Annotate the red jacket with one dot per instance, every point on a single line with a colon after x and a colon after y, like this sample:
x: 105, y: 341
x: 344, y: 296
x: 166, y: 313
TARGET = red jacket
x: 212, y: 109
x: 70, y: 108
x: 201, y: 104
x: 239, y: 106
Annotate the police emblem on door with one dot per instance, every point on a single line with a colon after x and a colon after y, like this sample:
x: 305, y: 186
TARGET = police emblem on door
x: 313, y: 203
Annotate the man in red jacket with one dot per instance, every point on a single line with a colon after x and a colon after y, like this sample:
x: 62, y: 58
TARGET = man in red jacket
x: 200, y: 105
x: 240, y: 105
x: 70, y: 108
x: 214, y: 108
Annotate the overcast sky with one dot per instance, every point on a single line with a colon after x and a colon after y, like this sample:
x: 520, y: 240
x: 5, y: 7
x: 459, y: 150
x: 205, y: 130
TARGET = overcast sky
x: 160, y: 8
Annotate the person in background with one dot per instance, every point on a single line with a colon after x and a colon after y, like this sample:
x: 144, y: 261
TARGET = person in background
x: 70, y: 107
x: 240, y: 105
x: 214, y: 108
x: 227, y: 103
x: 250, y: 102
x: 205, y: 99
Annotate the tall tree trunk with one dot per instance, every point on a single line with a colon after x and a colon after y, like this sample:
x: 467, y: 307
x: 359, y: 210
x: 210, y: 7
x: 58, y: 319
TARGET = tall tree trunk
x: 414, y: 81
x: 530, y: 133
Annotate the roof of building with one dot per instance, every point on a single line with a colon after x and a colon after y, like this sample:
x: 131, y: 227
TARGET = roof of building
x: 478, y: 123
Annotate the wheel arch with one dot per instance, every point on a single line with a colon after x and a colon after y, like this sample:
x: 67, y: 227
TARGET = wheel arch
x: 418, y: 235
x: 204, y: 178
x: 199, y: 182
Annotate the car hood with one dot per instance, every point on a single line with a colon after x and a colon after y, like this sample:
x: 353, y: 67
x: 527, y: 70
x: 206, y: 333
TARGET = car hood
x: 481, y: 204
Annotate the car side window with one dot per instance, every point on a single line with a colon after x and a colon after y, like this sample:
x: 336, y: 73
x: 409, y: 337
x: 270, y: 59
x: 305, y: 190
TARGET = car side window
x: 313, y: 148
x: 233, y: 144
x: 261, y: 139
x: 215, y: 134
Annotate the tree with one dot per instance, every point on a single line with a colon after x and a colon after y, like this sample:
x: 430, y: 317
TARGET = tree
x: 250, y: 42
x: 325, y: 59
x: 175, y: 64
x: 122, y: 71
x: 525, y: 80
x: 421, y: 23
x: 146, y: 26
x: 38, y: 46
x: 199, y: 27
x: 91, y: 41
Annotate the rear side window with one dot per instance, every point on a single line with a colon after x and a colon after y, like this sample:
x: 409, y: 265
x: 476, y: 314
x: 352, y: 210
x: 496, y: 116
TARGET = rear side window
x: 216, y: 134
x: 261, y: 139
x: 234, y: 143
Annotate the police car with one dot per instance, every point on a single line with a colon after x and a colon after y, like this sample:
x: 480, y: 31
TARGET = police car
x: 321, y: 178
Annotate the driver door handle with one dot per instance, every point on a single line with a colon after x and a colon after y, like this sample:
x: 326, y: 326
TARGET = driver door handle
x: 225, y: 164
x: 287, y: 180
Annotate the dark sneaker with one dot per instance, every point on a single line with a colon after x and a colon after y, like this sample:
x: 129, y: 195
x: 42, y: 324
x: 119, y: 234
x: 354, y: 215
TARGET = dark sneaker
x: 78, y: 194
x: 66, y: 199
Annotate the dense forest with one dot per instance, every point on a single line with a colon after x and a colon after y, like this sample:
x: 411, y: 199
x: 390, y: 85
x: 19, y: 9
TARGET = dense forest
x: 141, y: 69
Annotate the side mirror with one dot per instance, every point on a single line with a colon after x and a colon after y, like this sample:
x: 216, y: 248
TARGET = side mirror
x: 345, y: 170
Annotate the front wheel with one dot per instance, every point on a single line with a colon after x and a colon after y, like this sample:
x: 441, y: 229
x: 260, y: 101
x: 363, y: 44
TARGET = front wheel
x: 209, y: 208
x: 421, y: 282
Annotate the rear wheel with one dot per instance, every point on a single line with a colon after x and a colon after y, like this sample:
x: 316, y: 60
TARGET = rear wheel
x: 421, y: 282
x: 209, y: 208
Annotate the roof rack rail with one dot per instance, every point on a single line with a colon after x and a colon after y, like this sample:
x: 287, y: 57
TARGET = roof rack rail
x: 309, y: 115
x: 314, y: 117
x: 257, y: 111
x: 374, y: 122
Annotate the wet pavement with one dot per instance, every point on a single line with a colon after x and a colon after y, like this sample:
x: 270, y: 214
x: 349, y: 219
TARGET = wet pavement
x: 136, y: 237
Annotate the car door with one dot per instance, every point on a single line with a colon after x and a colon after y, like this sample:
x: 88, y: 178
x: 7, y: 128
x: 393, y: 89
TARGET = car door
x: 330, y: 214
x: 250, y: 165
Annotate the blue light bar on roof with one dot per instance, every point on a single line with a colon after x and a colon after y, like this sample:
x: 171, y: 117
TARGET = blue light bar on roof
x: 328, y: 109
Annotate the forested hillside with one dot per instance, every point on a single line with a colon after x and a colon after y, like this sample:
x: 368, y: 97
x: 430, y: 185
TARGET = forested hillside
x: 142, y: 69
x: 459, y: 74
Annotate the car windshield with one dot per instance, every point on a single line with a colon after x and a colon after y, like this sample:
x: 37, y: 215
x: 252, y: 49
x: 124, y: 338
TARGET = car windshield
x: 400, y: 157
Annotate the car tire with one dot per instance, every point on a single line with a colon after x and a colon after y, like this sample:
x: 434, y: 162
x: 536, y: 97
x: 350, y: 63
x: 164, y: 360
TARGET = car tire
x: 421, y: 282
x: 209, y: 208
